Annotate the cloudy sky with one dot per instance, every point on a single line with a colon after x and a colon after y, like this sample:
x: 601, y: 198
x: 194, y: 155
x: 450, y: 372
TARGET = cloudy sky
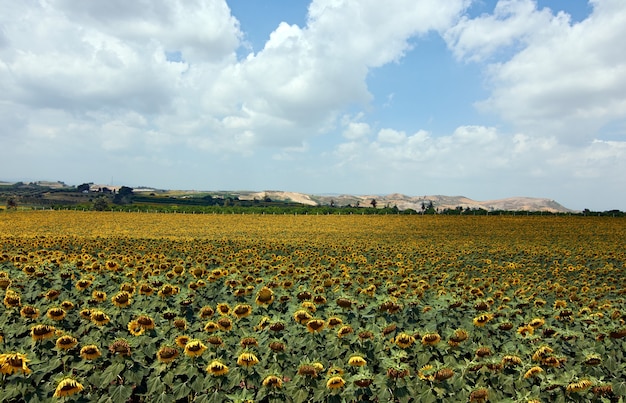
x: 482, y: 98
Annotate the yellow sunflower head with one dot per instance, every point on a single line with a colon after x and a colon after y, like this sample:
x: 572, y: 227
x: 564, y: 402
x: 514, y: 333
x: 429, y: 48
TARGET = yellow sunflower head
x: 217, y: 368
x: 272, y: 381
x: 242, y: 310
x: 29, y: 312
x: 13, y: 363
x: 42, y: 332
x: 99, y: 317
x: 357, y: 361
x: 90, y: 352
x: 68, y: 387
x: 315, y: 325
x: 335, y: 382
x: 194, y: 348
x: 265, y: 296
x: 167, y: 354
x: 66, y: 342
x: 247, y: 359
x: 56, y: 313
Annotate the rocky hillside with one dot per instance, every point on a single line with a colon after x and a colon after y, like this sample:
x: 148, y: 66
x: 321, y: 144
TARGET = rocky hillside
x: 404, y: 202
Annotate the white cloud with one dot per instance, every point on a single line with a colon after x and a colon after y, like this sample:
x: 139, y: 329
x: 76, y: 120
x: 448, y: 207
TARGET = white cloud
x: 95, y: 60
x: 565, y: 80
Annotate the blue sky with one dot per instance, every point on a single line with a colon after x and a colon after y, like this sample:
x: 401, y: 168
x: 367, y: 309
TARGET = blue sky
x: 486, y: 99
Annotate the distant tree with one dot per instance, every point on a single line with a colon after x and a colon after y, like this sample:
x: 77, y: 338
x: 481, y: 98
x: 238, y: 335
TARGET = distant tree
x: 100, y: 204
x: 125, y: 191
x: 373, y: 203
x: 11, y: 203
x: 332, y: 203
x: 83, y: 187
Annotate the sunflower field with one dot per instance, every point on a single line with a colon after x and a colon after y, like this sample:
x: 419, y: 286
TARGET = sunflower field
x: 144, y: 307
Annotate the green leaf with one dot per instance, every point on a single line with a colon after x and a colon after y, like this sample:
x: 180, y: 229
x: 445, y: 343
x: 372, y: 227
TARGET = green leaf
x: 181, y: 390
x: 111, y: 372
x: 133, y: 375
x: 155, y: 386
x: 120, y: 393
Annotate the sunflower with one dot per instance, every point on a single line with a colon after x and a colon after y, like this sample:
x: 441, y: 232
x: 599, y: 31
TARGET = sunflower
x: 121, y: 299
x: 426, y: 373
x: 511, y: 360
x: 12, y: 299
x: 272, y: 381
x: 211, y: 327
x: 404, y: 340
x: 249, y: 341
x: 66, y: 342
x: 335, y: 382
x: 99, y: 318
x: 344, y: 303
x: 121, y: 347
x: 247, y: 359
x: 344, y: 331
x: 307, y: 370
x: 99, y: 296
x: 481, y: 320
x: 52, y: 294
x: 29, y: 312
x: 146, y: 289
x: 483, y: 352
x: 277, y: 327
x: 592, y: 360
x: 460, y: 335
x: 443, y: 374
x: 265, y: 296
x: 242, y: 310
x: 206, y: 312
x: 90, y: 352
x: 479, y: 396
x: 579, y: 386
x: 223, y: 309
x: 67, y: 387
x: 537, y: 322
x: 216, y: 368
x: 525, y: 330
x: 318, y: 367
x: 56, y: 313
x: 42, y: 332
x: 14, y: 363
x: 225, y: 324
x: 277, y: 346
x: 135, y: 328
x: 263, y: 323
x: 194, y: 348
x: 431, y: 339
x: 541, y: 353
x: 357, y: 361
x: 334, y: 321
x: 167, y: 354
x: 315, y: 325
x: 532, y: 372
x: 215, y: 341
x: 309, y: 306
x: 180, y: 324
x: 181, y: 341
x: 302, y: 316
x: 67, y: 305
x: 146, y: 322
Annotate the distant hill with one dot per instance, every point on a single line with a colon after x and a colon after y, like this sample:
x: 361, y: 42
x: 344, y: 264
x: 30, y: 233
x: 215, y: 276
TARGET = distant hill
x: 403, y: 202
x: 44, y: 192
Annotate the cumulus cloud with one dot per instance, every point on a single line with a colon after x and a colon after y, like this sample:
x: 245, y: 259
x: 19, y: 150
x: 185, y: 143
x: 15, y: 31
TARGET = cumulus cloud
x: 561, y: 79
x: 175, y: 64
